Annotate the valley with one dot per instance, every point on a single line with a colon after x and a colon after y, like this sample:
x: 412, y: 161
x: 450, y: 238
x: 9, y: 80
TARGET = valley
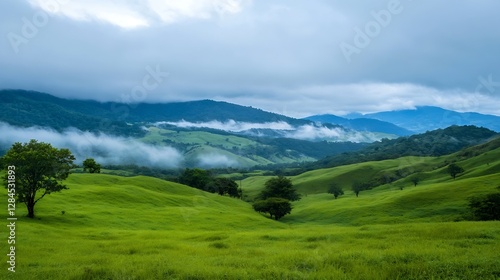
x: 409, y: 220
x: 107, y: 226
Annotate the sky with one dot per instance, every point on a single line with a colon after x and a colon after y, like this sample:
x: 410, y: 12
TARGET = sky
x: 295, y: 57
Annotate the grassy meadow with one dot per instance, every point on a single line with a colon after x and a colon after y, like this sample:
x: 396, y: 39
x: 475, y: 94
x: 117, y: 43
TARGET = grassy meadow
x: 112, y: 227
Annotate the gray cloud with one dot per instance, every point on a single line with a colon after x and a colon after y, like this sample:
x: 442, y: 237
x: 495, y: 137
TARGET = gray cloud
x: 280, y: 56
x: 211, y: 160
x: 230, y: 125
x: 303, y: 132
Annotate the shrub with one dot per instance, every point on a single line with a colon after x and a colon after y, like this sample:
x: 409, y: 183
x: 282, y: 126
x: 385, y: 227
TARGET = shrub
x: 485, y: 208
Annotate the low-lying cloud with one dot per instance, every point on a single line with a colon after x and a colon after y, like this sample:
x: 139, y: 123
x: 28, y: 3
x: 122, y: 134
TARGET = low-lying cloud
x: 283, y: 129
x: 105, y: 149
x: 216, y: 160
x: 337, y: 134
x: 230, y: 125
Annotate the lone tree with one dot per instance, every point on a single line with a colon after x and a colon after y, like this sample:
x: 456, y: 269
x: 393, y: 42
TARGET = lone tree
x: 415, y: 181
x: 275, y: 206
x: 281, y: 187
x: 38, y: 167
x: 357, y: 187
x: 91, y: 166
x: 226, y: 186
x: 486, y: 207
x: 336, y: 190
x: 276, y: 196
x: 454, y: 170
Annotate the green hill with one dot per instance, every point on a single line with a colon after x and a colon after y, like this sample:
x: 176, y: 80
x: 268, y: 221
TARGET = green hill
x: 432, y: 143
x: 111, y: 227
x: 437, y: 197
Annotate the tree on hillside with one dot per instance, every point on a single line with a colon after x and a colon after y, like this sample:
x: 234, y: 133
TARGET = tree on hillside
x: 415, y: 181
x: 486, y: 207
x: 454, y: 170
x: 336, y: 190
x: 91, y: 166
x: 357, y: 187
x: 227, y: 186
x: 197, y: 178
x: 275, y: 206
x: 36, y: 166
x: 281, y: 187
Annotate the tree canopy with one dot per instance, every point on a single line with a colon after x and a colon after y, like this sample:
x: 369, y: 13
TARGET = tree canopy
x: 226, y: 186
x: 357, y: 187
x: 336, y: 190
x: 91, y: 166
x: 275, y: 206
x: 486, y: 207
x: 454, y: 170
x: 281, y: 187
x: 38, y: 167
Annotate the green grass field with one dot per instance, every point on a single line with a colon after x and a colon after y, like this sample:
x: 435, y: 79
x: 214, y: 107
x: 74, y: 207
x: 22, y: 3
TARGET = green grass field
x: 144, y: 228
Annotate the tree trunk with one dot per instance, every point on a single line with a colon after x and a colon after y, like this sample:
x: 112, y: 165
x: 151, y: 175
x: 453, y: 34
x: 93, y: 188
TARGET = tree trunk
x: 31, y: 209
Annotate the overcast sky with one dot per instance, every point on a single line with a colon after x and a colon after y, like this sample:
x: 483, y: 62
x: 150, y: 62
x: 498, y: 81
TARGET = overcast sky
x: 293, y: 57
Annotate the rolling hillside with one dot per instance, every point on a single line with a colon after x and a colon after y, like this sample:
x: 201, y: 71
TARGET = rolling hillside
x: 110, y: 227
x: 437, y: 197
x: 432, y: 143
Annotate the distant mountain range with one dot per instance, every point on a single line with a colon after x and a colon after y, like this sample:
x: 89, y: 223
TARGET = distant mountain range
x: 407, y: 122
x: 209, y: 131
x: 432, y: 143
x: 29, y: 108
x: 426, y: 118
x: 362, y: 124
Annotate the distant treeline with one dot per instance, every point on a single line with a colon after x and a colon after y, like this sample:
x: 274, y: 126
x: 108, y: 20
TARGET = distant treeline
x: 433, y: 143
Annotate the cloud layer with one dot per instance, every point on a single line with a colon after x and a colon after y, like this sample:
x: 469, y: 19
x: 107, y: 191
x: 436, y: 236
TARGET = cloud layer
x: 281, y: 56
x: 283, y: 129
x: 230, y: 125
x: 103, y: 148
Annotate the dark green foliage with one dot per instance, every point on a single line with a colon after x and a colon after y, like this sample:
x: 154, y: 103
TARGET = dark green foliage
x: 275, y: 206
x: 91, y: 166
x: 204, y: 180
x: 281, y: 187
x: 29, y: 104
x: 198, y: 178
x: 134, y: 170
x: 454, y: 170
x: 29, y: 108
x: 357, y: 187
x: 312, y: 149
x: 485, y: 208
x: 38, y: 167
x: 226, y: 186
x: 415, y: 180
x: 336, y: 190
